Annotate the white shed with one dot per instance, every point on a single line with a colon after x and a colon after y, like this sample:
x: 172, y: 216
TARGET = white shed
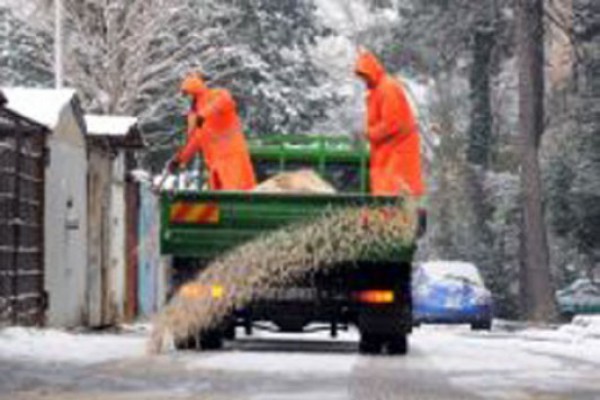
x: 113, y: 278
x: 65, y: 242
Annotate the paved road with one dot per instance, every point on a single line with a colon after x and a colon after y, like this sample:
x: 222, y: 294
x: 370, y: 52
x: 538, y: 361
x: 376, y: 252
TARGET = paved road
x: 443, y: 364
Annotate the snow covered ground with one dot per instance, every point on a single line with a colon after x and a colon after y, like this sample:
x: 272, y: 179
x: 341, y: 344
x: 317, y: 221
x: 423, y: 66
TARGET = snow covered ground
x: 513, y: 365
x: 445, y: 362
x: 58, y: 346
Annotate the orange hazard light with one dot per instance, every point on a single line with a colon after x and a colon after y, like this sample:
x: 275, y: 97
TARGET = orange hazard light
x: 194, y: 291
x: 376, y: 296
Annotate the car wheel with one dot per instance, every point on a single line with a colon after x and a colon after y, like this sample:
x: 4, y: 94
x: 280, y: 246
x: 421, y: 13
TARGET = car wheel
x: 568, y: 316
x: 482, y: 325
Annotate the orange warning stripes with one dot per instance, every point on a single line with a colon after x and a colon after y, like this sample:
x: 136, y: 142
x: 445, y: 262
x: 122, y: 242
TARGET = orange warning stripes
x: 194, y: 213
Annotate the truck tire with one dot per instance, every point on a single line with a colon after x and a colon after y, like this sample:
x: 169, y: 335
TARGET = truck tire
x: 187, y: 344
x: 370, y: 344
x: 211, y: 340
x: 398, y: 345
x: 229, y: 332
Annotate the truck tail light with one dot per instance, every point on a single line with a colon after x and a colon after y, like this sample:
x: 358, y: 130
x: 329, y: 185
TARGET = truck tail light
x: 375, y: 296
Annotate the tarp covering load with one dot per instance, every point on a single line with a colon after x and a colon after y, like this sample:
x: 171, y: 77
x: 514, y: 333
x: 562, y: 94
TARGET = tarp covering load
x: 277, y: 259
x: 303, y: 181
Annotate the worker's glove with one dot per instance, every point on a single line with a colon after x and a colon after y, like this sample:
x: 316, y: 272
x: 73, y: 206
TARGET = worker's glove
x: 200, y: 121
x: 172, y: 165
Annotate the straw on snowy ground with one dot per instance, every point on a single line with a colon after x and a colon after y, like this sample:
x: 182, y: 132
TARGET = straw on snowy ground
x: 277, y: 259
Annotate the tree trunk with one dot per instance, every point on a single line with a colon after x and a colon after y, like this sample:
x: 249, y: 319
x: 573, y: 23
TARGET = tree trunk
x: 538, y: 298
x: 480, y: 129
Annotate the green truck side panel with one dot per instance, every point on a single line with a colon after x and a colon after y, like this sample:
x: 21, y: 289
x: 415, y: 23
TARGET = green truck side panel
x: 243, y: 216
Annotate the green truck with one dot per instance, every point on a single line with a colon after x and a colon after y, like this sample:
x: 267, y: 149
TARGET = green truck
x: 373, y: 295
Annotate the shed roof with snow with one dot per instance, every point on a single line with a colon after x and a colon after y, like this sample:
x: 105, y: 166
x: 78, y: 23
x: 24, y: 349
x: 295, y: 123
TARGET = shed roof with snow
x: 121, y: 131
x: 44, y: 106
x: 59, y: 110
x: 13, y: 122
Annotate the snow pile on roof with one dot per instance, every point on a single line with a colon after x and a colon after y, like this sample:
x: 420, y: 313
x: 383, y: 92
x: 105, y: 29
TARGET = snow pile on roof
x: 43, y: 106
x: 109, y: 124
x: 441, y: 270
x: 60, y: 346
x: 582, y: 292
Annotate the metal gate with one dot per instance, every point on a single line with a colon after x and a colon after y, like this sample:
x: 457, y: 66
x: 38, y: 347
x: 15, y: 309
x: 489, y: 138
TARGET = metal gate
x: 22, y: 166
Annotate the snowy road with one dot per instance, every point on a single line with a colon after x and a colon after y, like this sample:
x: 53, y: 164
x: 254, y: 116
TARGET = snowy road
x: 444, y: 363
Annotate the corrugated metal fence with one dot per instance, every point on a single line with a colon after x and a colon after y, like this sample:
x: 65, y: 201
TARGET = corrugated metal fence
x: 22, y: 168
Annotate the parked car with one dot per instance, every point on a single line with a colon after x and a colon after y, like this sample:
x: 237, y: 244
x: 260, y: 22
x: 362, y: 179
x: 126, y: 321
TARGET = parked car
x: 451, y: 292
x: 580, y: 297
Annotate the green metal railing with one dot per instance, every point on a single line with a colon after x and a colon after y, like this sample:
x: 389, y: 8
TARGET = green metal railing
x: 316, y: 152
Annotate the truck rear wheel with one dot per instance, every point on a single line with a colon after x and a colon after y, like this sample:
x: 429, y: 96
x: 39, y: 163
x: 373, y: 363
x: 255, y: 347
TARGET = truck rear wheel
x: 211, y: 340
x: 187, y: 344
x: 229, y: 332
x: 370, y: 344
x: 398, y: 345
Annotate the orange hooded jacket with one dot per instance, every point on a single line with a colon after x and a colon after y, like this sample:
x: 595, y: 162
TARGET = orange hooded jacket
x: 392, y: 132
x: 220, y: 138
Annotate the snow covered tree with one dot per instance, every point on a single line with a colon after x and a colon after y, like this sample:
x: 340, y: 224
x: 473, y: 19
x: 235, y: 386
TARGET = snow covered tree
x: 570, y: 147
x: 573, y: 168
x: 587, y: 183
x: 24, y: 58
x: 279, y: 87
x: 129, y: 57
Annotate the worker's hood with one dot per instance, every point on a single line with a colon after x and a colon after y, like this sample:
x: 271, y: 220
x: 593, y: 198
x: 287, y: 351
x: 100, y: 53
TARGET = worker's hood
x: 367, y: 64
x: 193, y: 85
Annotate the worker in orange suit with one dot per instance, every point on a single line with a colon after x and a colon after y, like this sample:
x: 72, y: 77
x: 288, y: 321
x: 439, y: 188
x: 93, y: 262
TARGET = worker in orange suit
x: 392, y: 132
x: 214, y: 129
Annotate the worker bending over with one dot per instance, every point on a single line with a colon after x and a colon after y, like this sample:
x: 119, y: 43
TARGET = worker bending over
x: 214, y: 129
x: 392, y: 132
